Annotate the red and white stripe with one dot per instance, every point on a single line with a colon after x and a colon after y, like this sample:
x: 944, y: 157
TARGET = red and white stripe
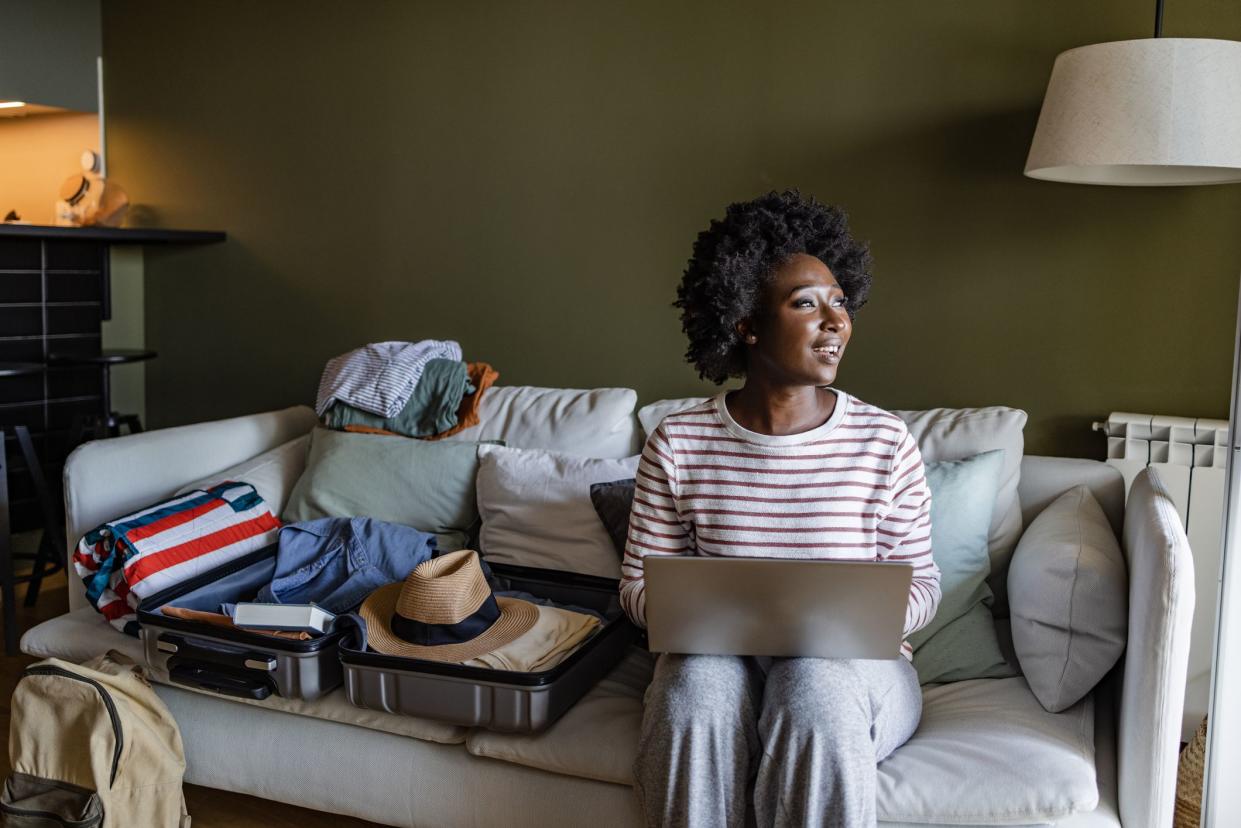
x: 192, y: 538
x: 172, y: 551
x: 855, y: 492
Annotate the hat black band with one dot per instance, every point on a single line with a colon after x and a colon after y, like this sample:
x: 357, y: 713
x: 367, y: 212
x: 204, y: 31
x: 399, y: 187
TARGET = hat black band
x: 426, y: 635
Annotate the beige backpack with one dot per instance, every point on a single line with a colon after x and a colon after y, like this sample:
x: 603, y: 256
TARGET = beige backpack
x: 92, y: 745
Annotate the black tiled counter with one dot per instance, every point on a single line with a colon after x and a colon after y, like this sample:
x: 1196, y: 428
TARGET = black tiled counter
x: 54, y: 296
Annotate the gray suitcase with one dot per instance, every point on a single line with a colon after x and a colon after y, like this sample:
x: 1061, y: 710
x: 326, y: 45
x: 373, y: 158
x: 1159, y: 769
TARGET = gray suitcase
x: 235, y: 662
x: 497, y: 699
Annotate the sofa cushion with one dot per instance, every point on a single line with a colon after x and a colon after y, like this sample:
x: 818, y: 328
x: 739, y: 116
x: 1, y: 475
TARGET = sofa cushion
x: 426, y: 485
x: 273, y: 473
x: 536, y: 509
x: 1068, y: 594
x: 948, y: 434
x: 83, y: 634
x: 596, y: 422
x: 651, y: 415
x: 960, y: 642
x: 985, y: 751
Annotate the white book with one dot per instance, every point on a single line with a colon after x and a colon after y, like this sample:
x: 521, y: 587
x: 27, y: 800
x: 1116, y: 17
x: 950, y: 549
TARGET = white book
x: 296, y: 617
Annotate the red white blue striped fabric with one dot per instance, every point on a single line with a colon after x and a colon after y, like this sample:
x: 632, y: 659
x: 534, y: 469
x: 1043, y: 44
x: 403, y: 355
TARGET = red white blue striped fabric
x: 853, y: 488
x: 136, y: 556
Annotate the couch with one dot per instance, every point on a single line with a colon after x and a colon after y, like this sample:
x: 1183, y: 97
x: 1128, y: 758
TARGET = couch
x: 986, y: 753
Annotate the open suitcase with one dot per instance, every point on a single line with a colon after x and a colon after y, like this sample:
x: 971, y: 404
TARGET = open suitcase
x: 497, y: 699
x: 235, y: 662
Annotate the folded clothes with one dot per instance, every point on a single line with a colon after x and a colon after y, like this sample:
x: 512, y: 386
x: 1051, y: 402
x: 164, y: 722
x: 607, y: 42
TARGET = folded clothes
x: 136, y: 556
x: 482, y: 377
x: 431, y: 408
x: 552, y: 639
x: 548, y: 602
x: 217, y: 619
x: 381, y: 376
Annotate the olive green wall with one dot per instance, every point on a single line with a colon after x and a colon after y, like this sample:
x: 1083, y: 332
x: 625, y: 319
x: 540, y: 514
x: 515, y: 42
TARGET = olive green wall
x: 48, y: 52
x: 528, y: 178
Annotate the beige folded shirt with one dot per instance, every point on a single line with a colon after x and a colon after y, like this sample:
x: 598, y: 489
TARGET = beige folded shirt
x: 551, y: 640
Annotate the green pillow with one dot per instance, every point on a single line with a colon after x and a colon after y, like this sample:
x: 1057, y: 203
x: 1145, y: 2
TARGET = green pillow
x: 428, y: 485
x: 960, y: 642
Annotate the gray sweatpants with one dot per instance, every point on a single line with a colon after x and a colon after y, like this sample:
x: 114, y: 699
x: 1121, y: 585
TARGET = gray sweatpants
x: 806, y: 732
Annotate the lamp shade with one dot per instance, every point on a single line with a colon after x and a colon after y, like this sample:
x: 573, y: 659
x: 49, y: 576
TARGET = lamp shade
x: 1152, y: 112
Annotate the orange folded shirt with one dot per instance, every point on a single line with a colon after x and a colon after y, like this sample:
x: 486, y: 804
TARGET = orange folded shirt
x: 363, y: 429
x: 219, y: 619
x: 482, y: 377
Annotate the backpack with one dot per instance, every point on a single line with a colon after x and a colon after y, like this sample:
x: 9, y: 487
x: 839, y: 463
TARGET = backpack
x: 92, y: 745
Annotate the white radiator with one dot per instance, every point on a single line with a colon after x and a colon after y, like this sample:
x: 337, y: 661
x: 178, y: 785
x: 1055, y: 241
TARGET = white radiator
x: 1189, y: 454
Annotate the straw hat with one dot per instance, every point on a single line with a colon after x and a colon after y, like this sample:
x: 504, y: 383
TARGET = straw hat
x: 444, y: 611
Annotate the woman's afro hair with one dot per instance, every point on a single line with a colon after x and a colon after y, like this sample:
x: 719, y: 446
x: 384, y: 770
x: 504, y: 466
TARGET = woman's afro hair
x: 735, y: 258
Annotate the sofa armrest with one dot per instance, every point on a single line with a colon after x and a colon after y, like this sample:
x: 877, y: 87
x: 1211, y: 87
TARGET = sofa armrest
x: 1161, y: 606
x: 105, y: 479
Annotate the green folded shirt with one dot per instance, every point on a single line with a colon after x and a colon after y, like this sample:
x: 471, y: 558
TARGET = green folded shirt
x: 431, y: 409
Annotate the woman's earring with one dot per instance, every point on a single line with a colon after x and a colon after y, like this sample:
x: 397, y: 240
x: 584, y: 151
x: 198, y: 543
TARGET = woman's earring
x: 751, y: 339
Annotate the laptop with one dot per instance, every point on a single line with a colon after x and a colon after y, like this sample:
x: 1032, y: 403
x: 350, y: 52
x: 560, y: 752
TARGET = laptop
x: 776, y: 606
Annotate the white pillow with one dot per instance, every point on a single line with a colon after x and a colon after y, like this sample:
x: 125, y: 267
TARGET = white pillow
x: 536, y: 509
x: 1068, y: 597
x: 273, y: 473
x: 595, y: 422
x: 958, y: 433
x: 652, y: 415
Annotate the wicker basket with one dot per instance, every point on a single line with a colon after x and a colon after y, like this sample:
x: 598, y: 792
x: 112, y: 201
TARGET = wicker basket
x: 1188, y: 812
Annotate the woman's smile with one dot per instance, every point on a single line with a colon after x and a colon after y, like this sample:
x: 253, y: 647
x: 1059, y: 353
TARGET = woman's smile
x: 829, y: 351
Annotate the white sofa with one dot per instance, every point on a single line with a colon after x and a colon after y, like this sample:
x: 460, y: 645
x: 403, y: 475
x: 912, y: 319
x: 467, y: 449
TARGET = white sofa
x: 986, y: 753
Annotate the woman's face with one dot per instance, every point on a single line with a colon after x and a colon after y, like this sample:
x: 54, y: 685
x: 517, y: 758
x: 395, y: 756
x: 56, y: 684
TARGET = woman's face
x: 799, y: 335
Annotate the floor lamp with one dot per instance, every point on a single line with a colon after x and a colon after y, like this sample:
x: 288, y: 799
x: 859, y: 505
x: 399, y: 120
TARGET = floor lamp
x: 1165, y: 112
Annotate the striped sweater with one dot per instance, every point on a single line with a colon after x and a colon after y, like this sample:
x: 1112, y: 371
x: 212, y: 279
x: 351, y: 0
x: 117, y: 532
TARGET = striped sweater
x: 853, y: 488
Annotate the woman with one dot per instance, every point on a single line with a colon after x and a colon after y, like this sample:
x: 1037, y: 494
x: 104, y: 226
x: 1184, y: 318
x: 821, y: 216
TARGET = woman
x: 784, y: 467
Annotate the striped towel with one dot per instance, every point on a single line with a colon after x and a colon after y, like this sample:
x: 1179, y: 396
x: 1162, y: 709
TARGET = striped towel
x: 380, y: 377
x: 136, y: 556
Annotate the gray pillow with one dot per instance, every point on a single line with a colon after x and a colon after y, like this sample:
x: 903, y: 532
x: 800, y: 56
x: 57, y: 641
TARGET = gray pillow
x: 1068, y: 599
x: 428, y: 485
x: 613, y: 502
x: 960, y: 641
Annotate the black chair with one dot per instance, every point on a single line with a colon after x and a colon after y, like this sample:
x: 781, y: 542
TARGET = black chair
x: 50, y: 556
x: 107, y: 423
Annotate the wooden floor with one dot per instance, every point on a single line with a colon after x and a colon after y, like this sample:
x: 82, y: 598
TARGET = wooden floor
x: 208, y: 807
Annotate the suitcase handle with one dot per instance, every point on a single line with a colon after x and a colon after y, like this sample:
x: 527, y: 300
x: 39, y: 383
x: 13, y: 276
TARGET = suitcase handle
x: 244, y: 687
x: 187, y: 649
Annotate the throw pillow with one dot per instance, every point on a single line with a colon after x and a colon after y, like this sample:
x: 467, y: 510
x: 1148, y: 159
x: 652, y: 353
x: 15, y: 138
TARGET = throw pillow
x: 597, y: 422
x: 613, y: 501
x: 536, y: 509
x: 960, y: 642
x: 426, y: 485
x: 273, y: 473
x: 1068, y: 599
x: 957, y: 433
x: 650, y: 416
